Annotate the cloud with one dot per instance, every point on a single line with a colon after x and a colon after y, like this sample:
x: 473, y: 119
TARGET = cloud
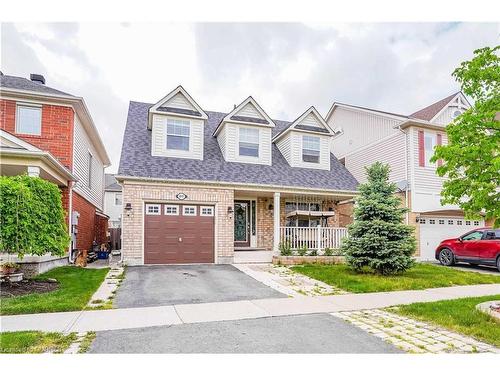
x: 286, y: 66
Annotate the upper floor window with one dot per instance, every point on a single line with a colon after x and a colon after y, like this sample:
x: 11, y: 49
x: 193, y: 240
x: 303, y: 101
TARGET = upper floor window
x: 178, y: 135
x: 249, y: 142
x: 429, y: 145
x: 89, y: 166
x: 29, y: 120
x: 310, y: 149
x: 118, y: 199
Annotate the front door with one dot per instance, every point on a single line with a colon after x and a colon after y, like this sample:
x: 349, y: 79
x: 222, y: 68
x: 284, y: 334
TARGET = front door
x: 241, y: 223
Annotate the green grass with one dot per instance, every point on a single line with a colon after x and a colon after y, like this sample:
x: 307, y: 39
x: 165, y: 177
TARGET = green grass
x: 458, y: 315
x: 86, y: 342
x: 75, y: 290
x: 422, y: 276
x: 34, y: 342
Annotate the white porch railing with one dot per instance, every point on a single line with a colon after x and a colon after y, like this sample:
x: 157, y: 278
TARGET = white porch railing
x: 312, y: 237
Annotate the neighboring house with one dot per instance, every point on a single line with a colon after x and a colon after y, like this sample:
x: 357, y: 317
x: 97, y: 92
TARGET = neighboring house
x: 406, y: 143
x: 211, y: 187
x: 113, y: 206
x: 49, y: 133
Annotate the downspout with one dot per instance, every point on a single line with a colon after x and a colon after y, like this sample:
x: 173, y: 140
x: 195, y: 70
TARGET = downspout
x: 70, y: 215
x: 407, y: 215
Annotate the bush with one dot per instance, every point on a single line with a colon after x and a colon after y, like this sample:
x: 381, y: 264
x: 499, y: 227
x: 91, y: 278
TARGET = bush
x: 285, y: 248
x: 302, y: 250
x: 378, y: 238
x: 32, y: 220
x: 328, y: 252
x: 313, y: 252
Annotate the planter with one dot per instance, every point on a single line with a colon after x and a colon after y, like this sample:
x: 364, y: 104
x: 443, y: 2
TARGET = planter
x: 8, y: 269
x: 14, y: 277
x: 297, y: 259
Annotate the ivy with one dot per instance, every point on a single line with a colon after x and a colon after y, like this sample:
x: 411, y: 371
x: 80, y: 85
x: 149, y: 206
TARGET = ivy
x: 32, y: 219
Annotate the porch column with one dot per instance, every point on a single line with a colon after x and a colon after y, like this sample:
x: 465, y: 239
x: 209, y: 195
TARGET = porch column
x: 33, y: 171
x: 276, y: 216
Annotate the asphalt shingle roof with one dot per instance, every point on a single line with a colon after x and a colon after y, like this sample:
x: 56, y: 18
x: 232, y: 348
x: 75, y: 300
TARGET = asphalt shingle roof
x: 110, y: 183
x: 136, y: 160
x: 432, y: 110
x: 20, y: 83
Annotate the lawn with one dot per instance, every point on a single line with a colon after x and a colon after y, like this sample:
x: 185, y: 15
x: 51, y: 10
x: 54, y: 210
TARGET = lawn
x: 459, y: 315
x: 422, y: 276
x: 76, y: 287
x: 35, y: 342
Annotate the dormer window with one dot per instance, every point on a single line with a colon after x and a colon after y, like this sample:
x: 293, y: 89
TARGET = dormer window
x: 310, y: 149
x: 249, y: 142
x: 178, y: 134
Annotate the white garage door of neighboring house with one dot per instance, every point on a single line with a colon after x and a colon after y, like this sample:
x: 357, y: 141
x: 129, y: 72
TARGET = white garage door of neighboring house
x: 435, y: 229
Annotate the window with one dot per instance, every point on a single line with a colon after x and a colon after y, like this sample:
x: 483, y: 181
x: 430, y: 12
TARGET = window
x: 473, y: 236
x: 456, y: 113
x: 429, y: 143
x: 171, y: 209
x: 118, y: 199
x: 153, y: 209
x: 249, y: 142
x: 422, y: 221
x: 207, y: 211
x: 178, y: 135
x: 189, y: 210
x: 490, y: 235
x: 476, y: 222
x: 89, y: 166
x: 290, y: 206
x: 310, y: 149
x: 432, y: 221
x: 29, y: 120
x: 441, y: 221
x: 303, y: 222
x: 450, y: 222
x: 467, y: 222
x: 459, y: 222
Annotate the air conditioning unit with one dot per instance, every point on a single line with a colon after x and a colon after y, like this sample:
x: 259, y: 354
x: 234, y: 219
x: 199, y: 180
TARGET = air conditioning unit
x: 74, y: 217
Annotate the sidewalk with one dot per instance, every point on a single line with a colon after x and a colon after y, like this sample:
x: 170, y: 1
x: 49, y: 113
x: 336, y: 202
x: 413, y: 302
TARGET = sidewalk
x: 104, y: 320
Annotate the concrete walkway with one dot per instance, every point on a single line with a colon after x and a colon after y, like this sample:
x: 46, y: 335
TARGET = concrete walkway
x: 104, y: 320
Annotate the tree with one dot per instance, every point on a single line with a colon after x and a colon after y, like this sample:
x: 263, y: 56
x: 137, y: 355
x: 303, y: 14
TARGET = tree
x: 378, y: 238
x: 471, y: 159
x: 32, y: 219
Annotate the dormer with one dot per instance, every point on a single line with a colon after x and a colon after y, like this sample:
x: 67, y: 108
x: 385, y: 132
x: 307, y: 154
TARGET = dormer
x: 244, y: 135
x: 305, y: 142
x: 177, y: 124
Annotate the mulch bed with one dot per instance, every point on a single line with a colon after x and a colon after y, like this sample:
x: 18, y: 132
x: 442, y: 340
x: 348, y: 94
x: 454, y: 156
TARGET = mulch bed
x: 26, y: 287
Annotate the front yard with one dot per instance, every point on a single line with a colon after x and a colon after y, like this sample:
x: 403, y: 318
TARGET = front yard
x: 76, y: 287
x: 422, y: 276
x: 30, y: 342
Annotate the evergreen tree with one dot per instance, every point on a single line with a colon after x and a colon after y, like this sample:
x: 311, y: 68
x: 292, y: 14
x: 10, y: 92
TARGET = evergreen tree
x: 378, y: 238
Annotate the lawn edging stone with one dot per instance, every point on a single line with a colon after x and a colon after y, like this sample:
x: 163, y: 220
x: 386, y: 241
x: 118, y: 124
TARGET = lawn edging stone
x: 294, y: 260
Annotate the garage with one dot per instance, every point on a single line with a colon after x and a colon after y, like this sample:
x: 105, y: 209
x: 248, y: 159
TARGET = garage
x: 435, y: 229
x: 178, y: 233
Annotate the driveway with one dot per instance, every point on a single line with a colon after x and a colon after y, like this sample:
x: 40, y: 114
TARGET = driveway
x: 490, y: 270
x: 317, y: 333
x: 176, y: 284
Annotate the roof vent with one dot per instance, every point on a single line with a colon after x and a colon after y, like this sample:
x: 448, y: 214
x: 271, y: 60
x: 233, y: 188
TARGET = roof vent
x: 37, y: 78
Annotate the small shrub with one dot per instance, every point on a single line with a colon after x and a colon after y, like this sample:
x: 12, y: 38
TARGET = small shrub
x: 285, y: 248
x: 328, y: 252
x: 302, y: 250
x: 313, y: 253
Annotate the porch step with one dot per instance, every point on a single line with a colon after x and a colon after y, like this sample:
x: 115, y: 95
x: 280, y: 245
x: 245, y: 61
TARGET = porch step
x: 253, y: 256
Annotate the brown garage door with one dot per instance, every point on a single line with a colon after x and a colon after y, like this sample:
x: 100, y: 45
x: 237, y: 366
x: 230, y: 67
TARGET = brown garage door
x: 178, y: 233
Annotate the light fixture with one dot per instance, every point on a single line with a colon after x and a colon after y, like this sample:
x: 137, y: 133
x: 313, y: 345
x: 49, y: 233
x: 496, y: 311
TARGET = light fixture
x: 230, y: 210
x: 128, y: 206
x: 271, y: 207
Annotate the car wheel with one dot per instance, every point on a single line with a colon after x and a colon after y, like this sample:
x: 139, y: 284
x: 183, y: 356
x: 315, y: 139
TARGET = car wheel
x: 498, y: 264
x: 446, y: 257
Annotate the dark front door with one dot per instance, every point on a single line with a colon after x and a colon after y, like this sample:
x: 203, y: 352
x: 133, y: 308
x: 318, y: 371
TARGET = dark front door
x: 241, y: 223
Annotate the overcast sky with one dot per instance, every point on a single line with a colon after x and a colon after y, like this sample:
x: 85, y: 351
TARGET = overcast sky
x: 285, y: 67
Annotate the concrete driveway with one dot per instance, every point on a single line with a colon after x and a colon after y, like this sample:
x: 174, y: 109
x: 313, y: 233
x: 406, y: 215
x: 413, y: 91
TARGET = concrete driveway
x: 183, y: 284
x: 490, y: 270
x: 317, y: 333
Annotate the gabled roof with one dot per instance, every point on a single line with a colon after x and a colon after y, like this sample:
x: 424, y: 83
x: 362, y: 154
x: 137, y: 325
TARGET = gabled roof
x: 429, y: 112
x: 189, y: 106
x: 110, y: 183
x: 364, y: 109
x: 20, y: 83
x: 262, y: 118
x: 136, y: 161
x: 323, y: 129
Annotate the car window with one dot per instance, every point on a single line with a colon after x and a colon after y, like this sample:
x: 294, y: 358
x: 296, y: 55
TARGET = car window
x: 476, y: 235
x: 492, y: 235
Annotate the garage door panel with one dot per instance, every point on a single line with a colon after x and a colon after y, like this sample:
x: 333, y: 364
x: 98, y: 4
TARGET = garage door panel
x: 162, y: 234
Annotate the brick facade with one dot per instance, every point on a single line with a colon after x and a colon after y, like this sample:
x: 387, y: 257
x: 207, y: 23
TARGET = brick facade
x: 86, y: 222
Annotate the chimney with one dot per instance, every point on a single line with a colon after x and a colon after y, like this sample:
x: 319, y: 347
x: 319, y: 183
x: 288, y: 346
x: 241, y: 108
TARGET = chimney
x: 38, y: 78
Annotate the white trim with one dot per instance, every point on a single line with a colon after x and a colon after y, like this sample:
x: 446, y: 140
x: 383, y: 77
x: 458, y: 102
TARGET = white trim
x: 300, y: 119
x: 458, y: 95
x: 356, y: 108
x: 20, y: 105
x: 151, y: 205
x: 211, y: 208
x: 188, y: 214
x: 173, y: 206
x: 12, y: 138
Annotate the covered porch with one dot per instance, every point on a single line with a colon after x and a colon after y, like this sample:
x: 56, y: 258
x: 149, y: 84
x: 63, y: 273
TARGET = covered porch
x: 265, y: 220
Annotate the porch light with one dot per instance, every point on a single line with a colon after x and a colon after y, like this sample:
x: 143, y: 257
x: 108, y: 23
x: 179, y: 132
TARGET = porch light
x: 271, y: 207
x: 230, y: 210
x: 128, y: 207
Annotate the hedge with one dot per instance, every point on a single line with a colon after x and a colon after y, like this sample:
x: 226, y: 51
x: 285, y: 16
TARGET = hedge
x: 32, y: 219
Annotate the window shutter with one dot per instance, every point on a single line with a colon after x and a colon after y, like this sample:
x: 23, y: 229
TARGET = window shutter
x: 421, y: 149
x: 439, y: 142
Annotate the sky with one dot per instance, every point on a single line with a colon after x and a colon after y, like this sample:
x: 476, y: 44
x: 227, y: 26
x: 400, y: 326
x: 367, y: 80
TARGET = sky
x: 286, y: 67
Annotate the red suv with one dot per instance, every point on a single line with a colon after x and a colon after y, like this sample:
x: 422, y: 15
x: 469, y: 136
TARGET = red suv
x: 481, y: 246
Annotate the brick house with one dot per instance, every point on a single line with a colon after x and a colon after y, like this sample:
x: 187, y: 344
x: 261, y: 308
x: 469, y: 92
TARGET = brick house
x: 48, y: 133
x: 212, y: 187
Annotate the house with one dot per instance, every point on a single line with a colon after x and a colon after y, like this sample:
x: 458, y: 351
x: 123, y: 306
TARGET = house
x: 406, y: 142
x: 212, y: 187
x: 113, y: 207
x: 48, y: 133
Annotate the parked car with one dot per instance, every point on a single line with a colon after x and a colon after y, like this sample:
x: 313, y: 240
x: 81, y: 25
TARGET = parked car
x: 480, y: 246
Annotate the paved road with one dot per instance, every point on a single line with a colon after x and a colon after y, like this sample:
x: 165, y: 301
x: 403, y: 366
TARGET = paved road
x: 169, y: 285
x: 317, y: 333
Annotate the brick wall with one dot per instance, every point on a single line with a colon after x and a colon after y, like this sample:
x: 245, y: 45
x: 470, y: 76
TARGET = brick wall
x: 138, y: 194
x: 101, y: 229
x: 86, y: 222
x: 57, y: 129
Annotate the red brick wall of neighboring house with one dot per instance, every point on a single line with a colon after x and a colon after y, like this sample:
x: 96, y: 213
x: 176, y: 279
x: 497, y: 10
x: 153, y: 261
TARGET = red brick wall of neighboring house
x: 86, y: 222
x: 57, y: 129
x: 101, y: 229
